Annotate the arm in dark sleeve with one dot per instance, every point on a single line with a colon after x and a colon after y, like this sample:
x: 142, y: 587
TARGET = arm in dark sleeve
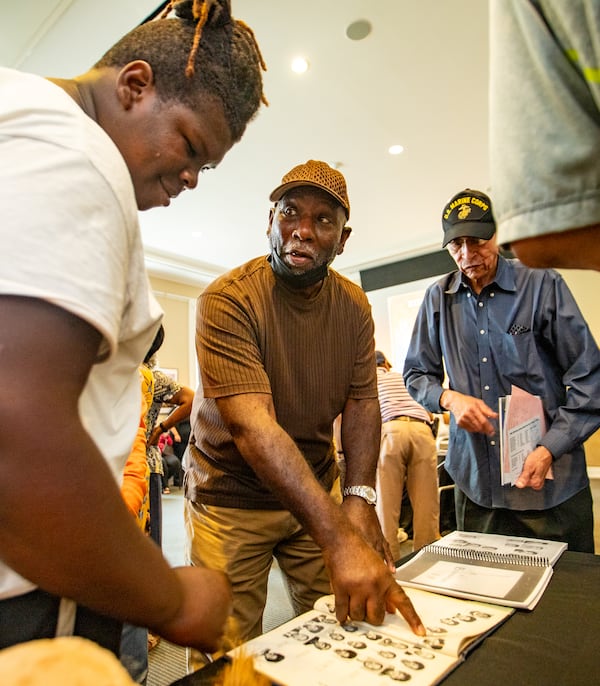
x: 423, y: 366
x: 577, y: 415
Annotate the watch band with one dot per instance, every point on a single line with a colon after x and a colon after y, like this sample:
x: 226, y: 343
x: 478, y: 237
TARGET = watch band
x: 365, y: 492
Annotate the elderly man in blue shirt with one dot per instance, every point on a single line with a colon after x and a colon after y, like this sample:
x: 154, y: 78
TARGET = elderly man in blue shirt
x: 492, y: 324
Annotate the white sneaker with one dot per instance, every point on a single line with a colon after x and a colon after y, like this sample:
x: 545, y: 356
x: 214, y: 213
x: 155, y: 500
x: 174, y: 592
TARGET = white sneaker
x: 401, y: 536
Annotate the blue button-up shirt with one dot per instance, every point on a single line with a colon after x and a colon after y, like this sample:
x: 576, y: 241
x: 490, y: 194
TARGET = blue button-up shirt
x: 524, y: 329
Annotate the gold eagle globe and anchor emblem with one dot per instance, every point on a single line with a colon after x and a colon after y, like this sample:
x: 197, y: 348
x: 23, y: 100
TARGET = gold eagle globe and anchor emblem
x: 464, y: 212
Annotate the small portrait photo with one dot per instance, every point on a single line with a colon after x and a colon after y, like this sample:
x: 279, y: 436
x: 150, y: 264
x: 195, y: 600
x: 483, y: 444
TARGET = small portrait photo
x: 272, y: 656
x: 297, y: 635
x: 349, y: 627
x: 359, y: 645
x: 524, y: 551
x: 449, y: 621
x: 345, y: 653
x: 480, y: 614
x: 313, y: 627
x: 436, y: 630
x: 461, y: 543
x: 464, y: 618
x: 326, y: 619
x: 436, y: 643
x: 372, y: 665
x: 372, y: 635
x: 387, y: 654
x: 396, y: 674
x: 317, y: 643
x: 529, y: 545
x: 391, y: 643
x: 336, y: 636
x: 413, y: 664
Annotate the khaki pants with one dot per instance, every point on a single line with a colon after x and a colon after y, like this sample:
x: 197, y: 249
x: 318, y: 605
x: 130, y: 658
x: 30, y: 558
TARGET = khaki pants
x: 408, y: 452
x: 243, y: 543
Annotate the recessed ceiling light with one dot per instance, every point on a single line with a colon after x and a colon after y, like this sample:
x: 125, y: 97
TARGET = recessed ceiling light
x: 359, y: 29
x: 396, y: 149
x: 299, y: 65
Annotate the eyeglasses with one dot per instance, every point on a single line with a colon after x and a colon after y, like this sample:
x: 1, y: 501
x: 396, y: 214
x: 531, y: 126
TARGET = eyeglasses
x: 456, y: 244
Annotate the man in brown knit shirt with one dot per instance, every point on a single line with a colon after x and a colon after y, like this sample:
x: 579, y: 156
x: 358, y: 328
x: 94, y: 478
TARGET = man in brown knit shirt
x: 285, y: 344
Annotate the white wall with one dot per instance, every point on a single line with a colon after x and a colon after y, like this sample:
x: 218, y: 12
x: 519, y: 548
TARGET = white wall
x: 394, y: 311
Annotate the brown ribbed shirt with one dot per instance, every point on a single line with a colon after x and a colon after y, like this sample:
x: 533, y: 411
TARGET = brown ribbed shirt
x: 256, y: 335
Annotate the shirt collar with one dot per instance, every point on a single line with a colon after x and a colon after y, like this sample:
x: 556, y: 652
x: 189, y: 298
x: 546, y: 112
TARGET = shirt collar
x: 504, y: 279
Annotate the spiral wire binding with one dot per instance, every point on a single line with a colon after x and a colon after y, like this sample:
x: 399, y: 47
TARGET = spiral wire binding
x: 487, y: 556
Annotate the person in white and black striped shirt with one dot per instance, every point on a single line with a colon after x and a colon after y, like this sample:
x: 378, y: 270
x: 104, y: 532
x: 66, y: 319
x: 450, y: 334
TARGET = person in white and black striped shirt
x: 408, y: 454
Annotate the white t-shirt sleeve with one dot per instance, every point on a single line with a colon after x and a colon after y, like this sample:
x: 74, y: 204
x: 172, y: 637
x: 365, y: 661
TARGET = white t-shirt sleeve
x: 69, y: 221
x: 67, y: 242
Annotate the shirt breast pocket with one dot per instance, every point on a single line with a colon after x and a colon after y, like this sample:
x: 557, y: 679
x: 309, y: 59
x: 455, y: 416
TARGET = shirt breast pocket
x: 517, y: 358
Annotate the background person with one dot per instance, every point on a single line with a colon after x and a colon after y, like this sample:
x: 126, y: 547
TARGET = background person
x: 489, y: 325
x: 165, y: 391
x: 77, y: 316
x: 135, y: 486
x: 408, y: 454
x: 170, y: 462
x: 285, y: 344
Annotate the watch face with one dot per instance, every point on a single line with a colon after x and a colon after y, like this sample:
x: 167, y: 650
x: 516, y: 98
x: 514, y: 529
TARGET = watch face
x: 365, y: 492
x: 370, y: 495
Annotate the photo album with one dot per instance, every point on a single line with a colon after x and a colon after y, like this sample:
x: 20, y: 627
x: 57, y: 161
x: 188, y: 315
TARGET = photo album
x: 508, y: 570
x: 316, y: 649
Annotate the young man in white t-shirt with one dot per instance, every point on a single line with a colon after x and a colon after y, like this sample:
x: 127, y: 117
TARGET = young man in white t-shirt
x: 80, y: 157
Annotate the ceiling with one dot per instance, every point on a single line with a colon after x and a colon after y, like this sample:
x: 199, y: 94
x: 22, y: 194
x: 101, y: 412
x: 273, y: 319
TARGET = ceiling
x: 419, y: 80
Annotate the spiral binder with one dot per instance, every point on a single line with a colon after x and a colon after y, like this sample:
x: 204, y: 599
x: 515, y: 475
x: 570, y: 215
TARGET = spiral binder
x: 493, y: 568
x: 488, y: 556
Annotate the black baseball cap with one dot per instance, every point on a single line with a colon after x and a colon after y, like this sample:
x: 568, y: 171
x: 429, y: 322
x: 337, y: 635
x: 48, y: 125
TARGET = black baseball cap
x: 468, y: 213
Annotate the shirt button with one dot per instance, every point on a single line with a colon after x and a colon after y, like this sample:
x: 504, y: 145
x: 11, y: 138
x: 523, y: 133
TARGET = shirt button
x: 492, y: 442
x: 482, y: 331
x: 484, y: 359
x: 492, y: 295
x: 468, y: 295
x: 480, y: 304
x: 486, y: 388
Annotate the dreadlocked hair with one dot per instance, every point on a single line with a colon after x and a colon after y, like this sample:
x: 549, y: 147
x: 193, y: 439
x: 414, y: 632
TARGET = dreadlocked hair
x: 202, y: 51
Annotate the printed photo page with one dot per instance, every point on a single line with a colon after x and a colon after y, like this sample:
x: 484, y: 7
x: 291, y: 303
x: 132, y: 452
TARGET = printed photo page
x: 316, y: 649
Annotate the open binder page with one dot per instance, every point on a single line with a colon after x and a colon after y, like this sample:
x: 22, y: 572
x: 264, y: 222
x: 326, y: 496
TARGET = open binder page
x: 315, y: 649
x: 485, y: 567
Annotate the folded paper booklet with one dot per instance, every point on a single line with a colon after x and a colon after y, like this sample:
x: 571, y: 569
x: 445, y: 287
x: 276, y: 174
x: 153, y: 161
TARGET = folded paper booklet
x: 508, y: 570
x: 522, y: 424
x: 315, y: 649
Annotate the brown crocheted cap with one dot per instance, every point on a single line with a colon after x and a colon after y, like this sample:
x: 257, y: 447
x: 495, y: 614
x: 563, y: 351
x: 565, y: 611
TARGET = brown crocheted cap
x: 318, y: 174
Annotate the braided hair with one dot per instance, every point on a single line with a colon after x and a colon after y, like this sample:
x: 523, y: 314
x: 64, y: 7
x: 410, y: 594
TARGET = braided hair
x: 201, y: 51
